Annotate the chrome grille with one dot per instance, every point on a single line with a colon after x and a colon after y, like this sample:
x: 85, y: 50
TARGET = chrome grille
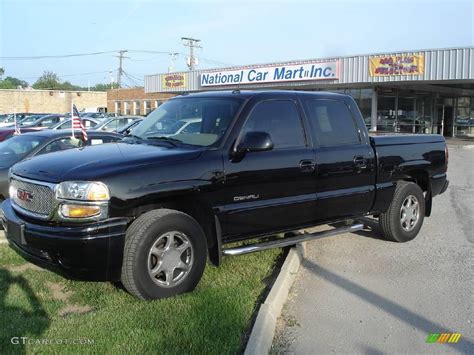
x: 35, y: 198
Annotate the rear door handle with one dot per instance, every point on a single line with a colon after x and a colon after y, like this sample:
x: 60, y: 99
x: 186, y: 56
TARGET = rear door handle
x: 360, y: 162
x: 307, y: 166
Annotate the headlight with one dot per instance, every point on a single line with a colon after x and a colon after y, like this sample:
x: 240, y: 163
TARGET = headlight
x: 83, y: 190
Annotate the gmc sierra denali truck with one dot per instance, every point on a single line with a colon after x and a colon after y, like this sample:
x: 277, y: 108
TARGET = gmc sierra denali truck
x: 149, y: 211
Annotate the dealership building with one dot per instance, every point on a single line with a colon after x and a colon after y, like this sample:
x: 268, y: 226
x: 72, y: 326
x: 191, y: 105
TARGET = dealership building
x: 420, y: 91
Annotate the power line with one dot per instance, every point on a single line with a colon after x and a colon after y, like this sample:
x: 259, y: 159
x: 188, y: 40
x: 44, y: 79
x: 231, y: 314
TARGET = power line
x: 56, y: 56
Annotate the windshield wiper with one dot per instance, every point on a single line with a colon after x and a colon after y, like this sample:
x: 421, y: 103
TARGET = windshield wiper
x: 171, y: 141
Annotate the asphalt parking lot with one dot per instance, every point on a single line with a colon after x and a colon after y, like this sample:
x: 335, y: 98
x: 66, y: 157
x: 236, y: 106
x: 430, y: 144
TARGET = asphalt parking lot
x: 356, y: 293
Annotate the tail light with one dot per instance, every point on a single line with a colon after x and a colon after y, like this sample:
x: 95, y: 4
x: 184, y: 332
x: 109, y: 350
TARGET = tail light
x: 446, y: 155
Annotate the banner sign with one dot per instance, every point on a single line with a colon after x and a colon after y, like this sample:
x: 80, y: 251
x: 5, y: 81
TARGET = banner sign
x: 174, y: 80
x: 397, y: 65
x: 272, y: 74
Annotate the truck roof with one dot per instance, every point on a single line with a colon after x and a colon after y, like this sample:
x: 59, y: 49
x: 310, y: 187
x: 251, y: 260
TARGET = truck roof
x: 254, y: 93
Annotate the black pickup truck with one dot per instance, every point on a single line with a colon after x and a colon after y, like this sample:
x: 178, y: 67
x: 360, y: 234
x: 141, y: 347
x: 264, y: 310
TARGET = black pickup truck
x: 207, y: 169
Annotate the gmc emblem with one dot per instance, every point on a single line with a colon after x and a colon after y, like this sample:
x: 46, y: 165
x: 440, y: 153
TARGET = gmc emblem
x: 24, y: 195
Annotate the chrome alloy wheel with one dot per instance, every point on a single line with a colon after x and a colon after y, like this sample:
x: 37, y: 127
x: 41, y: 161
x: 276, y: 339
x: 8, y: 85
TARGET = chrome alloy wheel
x: 409, y: 213
x: 170, y: 259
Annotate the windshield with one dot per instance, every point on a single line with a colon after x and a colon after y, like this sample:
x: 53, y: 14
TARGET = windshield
x: 209, y: 119
x: 16, y: 148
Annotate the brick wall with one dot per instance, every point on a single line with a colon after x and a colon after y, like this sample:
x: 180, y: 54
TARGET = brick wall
x: 49, y: 101
x: 131, y: 100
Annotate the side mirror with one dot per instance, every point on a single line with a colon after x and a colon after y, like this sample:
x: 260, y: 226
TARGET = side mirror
x: 254, y: 142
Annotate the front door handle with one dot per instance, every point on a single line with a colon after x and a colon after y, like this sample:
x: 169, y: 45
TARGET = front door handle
x: 360, y: 162
x: 307, y: 166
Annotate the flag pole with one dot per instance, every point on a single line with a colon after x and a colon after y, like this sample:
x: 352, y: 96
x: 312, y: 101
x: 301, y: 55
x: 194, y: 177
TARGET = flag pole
x: 72, y: 119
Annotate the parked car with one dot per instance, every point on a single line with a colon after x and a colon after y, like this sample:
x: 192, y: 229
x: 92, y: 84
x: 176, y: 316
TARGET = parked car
x: 8, y: 132
x: 112, y: 124
x: 187, y: 125
x: 150, y: 209
x: 20, y: 117
x: 28, y: 145
x: 44, y: 121
x: 129, y: 126
x: 89, y: 123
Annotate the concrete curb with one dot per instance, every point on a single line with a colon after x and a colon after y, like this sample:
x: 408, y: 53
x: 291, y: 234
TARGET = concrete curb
x: 263, y: 331
x: 461, y: 146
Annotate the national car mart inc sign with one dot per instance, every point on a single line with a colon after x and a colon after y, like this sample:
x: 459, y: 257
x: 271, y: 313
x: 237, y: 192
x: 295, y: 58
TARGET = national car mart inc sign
x: 272, y: 74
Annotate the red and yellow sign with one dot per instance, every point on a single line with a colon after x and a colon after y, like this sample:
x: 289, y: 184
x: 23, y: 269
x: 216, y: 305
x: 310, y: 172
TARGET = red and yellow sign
x: 174, y: 80
x: 397, y: 65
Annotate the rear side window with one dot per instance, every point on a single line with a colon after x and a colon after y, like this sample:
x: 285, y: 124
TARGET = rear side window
x: 332, y: 122
x: 280, y: 119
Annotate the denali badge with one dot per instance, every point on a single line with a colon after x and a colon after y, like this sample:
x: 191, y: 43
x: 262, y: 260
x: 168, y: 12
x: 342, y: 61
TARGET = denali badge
x: 244, y: 198
x: 24, y: 195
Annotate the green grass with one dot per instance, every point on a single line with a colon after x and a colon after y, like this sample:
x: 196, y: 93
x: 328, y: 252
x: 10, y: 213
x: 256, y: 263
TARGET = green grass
x: 213, y: 319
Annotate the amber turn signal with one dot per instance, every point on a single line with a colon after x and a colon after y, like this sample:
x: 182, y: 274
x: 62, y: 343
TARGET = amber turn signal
x: 79, y: 211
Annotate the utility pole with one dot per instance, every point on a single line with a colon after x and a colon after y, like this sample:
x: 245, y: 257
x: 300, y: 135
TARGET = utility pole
x: 120, y: 69
x: 173, y: 59
x: 191, y: 43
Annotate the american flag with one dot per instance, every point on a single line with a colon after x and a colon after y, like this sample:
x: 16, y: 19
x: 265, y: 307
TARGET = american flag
x: 77, y: 122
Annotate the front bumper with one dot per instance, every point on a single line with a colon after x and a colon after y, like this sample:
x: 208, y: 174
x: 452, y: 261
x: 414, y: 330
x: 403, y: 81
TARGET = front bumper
x: 92, y: 251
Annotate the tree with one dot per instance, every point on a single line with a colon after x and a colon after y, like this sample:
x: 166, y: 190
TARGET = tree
x: 2, y: 71
x: 6, y: 84
x: 16, y: 82
x: 48, y: 80
x: 104, y: 87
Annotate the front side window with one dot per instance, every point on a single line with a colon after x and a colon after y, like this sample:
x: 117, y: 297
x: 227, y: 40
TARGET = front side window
x: 280, y: 119
x: 332, y: 123
x: 212, y: 117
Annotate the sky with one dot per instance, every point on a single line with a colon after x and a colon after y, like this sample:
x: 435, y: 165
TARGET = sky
x: 231, y: 33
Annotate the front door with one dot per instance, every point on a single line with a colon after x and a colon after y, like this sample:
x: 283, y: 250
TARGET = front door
x: 270, y: 190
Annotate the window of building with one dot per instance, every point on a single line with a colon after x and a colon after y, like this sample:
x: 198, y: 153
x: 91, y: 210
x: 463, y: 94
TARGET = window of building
x: 147, y: 107
x: 332, y: 122
x: 126, y: 108
x: 158, y: 103
x: 405, y: 120
x: 136, y: 108
x: 464, y: 120
x: 280, y: 119
x: 386, y: 113
x: 118, y: 108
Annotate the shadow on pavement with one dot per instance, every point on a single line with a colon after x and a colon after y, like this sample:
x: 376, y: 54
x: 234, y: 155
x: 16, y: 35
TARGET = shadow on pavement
x: 390, y: 307
x: 18, y: 321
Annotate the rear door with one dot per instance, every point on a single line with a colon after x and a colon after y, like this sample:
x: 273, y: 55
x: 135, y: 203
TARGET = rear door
x: 345, y: 184
x: 270, y: 190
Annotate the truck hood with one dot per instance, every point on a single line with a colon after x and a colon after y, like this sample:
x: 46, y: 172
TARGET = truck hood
x: 95, y: 162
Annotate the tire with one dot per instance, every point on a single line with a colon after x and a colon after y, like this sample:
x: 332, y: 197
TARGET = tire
x: 401, y: 223
x: 168, y: 244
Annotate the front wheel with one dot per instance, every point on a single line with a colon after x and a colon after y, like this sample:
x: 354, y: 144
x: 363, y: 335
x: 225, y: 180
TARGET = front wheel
x: 165, y: 254
x: 404, y: 217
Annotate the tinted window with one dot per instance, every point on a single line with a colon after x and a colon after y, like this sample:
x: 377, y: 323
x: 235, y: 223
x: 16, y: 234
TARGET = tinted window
x: 281, y: 120
x: 332, y: 122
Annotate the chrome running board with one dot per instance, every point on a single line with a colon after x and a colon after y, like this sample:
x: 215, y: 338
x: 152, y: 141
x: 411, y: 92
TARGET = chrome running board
x: 284, y: 242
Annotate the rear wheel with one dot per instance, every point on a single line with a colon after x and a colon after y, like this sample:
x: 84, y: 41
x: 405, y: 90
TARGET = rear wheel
x: 165, y: 254
x: 404, y: 217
